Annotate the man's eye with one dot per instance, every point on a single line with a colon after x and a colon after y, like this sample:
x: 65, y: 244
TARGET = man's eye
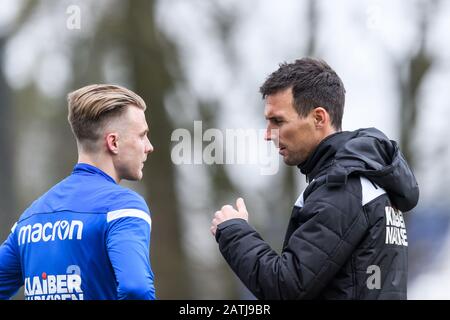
x: 277, y: 121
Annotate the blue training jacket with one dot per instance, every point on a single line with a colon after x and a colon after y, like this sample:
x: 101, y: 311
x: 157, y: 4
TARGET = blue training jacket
x: 86, y: 238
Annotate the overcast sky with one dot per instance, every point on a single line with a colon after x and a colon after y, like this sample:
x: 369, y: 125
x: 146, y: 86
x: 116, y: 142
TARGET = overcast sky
x: 361, y: 40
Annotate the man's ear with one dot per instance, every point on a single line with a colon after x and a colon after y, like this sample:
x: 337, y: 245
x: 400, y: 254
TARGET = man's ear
x: 321, y: 117
x: 112, y: 142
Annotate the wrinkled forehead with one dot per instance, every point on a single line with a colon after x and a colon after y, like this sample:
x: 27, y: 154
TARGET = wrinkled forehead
x: 279, y: 104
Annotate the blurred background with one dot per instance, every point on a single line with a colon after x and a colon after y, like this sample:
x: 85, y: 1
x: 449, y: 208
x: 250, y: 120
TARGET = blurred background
x: 197, y: 60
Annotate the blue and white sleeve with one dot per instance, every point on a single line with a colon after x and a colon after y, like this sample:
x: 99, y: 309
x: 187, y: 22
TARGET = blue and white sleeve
x: 10, y: 270
x: 128, y: 246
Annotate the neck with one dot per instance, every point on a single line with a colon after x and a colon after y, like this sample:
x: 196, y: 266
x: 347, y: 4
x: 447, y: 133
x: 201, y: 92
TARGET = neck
x: 329, y: 131
x: 100, y: 161
x: 324, y: 153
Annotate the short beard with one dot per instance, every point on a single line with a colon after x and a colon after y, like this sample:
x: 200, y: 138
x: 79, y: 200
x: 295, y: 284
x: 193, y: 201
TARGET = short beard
x: 293, y: 161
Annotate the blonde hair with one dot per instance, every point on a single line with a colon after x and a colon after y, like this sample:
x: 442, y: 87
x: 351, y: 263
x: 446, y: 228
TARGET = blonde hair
x: 91, y: 107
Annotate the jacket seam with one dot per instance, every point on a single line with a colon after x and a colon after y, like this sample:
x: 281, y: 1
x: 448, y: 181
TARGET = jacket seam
x: 354, y: 287
x: 336, y: 249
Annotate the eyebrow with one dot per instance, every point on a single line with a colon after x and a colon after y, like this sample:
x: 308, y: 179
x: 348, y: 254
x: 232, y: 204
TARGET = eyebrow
x: 273, y: 117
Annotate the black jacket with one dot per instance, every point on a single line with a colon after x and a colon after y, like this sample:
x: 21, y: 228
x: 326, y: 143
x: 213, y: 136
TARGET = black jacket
x: 346, y: 238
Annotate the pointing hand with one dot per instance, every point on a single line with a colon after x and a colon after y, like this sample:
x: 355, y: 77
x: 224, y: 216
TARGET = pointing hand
x: 228, y: 212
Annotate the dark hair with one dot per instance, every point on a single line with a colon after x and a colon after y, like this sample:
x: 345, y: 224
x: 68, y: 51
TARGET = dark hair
x: 314, y: 84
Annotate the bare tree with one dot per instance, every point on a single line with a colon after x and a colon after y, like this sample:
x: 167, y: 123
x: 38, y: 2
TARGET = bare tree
x: 8, y: 197
x: 411, y: 71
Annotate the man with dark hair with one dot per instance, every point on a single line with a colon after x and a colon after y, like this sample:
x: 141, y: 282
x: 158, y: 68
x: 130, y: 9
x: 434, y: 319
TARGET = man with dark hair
x: 346, y: 238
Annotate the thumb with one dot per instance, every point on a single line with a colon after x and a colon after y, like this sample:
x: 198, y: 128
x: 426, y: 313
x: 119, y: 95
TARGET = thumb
x: 241, y: 205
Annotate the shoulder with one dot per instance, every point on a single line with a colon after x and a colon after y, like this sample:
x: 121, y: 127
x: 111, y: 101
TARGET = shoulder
x: 123, y: 198
x: 332, y: 189
x: 350, y: 196
x: 333, y: 201
x: 127, y: 205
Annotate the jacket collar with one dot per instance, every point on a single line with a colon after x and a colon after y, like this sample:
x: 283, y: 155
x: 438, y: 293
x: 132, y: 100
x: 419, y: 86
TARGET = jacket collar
x: 87, y: 169
x: 322, y: 157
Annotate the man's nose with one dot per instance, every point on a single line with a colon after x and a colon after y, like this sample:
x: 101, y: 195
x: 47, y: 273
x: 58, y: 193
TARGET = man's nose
x: 149, y: 148
x: 271, y: 134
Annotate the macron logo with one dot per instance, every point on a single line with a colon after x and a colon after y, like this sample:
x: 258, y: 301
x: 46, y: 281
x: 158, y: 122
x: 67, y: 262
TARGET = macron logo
x: 61, y: 229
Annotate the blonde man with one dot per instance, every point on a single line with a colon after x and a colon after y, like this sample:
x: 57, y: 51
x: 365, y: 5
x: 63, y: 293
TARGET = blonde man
x: 88, y: 237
